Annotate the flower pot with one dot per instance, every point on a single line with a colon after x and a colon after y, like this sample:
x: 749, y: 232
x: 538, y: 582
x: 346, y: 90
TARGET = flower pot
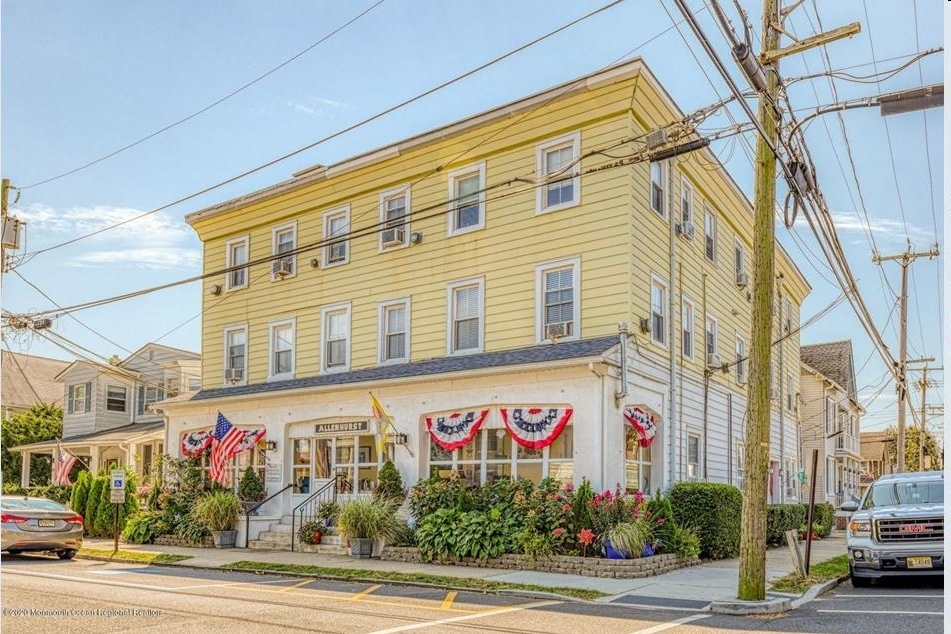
x: 224, y: 539
x: 611, y: 552
x: 361, y: 547
x: 316, y: 538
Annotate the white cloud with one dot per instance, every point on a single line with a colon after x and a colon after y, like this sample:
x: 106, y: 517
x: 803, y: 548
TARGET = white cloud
x: 144, y: 258
x: 316, y: 105
x: 887, y: 232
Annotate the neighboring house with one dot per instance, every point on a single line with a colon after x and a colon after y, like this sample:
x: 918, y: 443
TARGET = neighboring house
x: 473, y: 278
x: 109, y: 418
x: 28, y: 380
x: 874, y: 452
x: 830, y: 420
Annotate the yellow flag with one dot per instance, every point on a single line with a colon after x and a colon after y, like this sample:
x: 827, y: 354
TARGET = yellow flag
x: 384, y: 422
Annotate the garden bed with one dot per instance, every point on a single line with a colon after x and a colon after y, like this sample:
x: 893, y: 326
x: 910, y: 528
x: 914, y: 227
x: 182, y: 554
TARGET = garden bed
x: 174, y: 540
x: 563, y: 564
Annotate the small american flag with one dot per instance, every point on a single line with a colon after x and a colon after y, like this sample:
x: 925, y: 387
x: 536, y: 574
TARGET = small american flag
x: 227, y: 437
x: 62, y: 466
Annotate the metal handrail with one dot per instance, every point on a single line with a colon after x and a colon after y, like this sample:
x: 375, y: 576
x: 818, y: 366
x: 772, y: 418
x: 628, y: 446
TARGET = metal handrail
x: 247, y: 513
x: 321, y: 493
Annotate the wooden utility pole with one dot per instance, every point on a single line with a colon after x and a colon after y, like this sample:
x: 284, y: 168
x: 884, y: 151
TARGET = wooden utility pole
x: 922, y: 429
x: 4, y: 214
x: 904, y: 259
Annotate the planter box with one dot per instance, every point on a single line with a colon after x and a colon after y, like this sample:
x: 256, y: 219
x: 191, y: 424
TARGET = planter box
x: 361, y: 548
x: 174, y: 540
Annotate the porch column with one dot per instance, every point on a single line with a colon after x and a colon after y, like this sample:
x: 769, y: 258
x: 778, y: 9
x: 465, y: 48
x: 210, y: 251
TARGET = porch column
x: 25, y: 469
x: 94, y: 452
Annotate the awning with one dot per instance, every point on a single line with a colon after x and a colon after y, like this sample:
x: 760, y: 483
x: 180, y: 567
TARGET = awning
x: 135, y: 433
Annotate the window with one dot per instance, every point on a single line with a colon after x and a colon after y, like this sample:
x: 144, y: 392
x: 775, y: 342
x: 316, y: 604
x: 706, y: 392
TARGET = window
x: 711, y: 338
x: 637, y: 462
x: 790, y: 395
x: 394, y: 208
x: 236, y: 255
x: 149, y: 394
x: 336, y: 343
x: 557, y: 302
x: 686, y: 328
x: 710, y: 233
x: 194, y: 383
x: 686, y: 202
x: 467, y: 199
x: 284, y: 240
x: 79, y: 398
x: 829, y: 415
x: 282, y: 350
x: 740, y: 360
x: 791, y: 479
x: 830, y: 476
x: 236, y: 360
x: 739, y: 260
x: 336, y: 225
x: 740, y: 463
x: 787, y: 316
x: 693, y: 456
x: 394, y: 331
x: 659, y: 188
x: 116, y: 398
x: 658, y: 311
x: 556, y: 164
x: 465, y: 316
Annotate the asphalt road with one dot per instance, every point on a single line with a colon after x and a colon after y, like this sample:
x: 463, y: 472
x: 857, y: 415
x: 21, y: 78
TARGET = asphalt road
x: 41, y: 595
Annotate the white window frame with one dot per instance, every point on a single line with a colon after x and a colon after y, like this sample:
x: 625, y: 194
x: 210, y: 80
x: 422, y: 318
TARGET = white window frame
x: 710, y: 320
x: 325, y: 314
x: 787, y: 316
x: 740, y: 462
x: 710, y: 213
x: 385, y: 197
x: 661, y: 339
x: 328, y: 217
x: 739, y: 257
x: 148, y: 394
x: 828, y: 415
x: 382, y: 333
x: 72, y: 399
x: 229, y: 262
x: 125, y: 398
x: 225, y: 356
x: 663, y: 186
x: 688, y: 317
x: 573, y: 141
x: 686, y: 197
x: 452, y: 218
x: 691, y: 436
x: 275, y: 231
x: 479, y: 283
x: 741, y: 360
x: 790, y: 396
x: 540, y: 271
x: 273, y: 327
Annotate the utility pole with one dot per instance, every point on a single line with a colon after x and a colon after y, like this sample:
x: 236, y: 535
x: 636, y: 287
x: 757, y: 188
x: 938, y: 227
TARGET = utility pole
x: 922, y: 429
x: 4, y: 196
x: 904, y: 259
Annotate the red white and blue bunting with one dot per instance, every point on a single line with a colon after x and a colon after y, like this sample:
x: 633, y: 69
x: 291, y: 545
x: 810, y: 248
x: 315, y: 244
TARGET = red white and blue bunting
x: 251, y: 438
x: 535, y: 427
x: 196, y: 442
x: 642, y: 422
x: 455, y: 430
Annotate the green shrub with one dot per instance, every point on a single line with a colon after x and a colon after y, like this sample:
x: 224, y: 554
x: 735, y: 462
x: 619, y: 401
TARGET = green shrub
x: 823, y: 518
x: 218, y: 510
x: 683, y: 541
x: 367, y: 518
x: 251, y: 489
x: 389, y: 484
x: 190, y: 528
x: 781, y: 518
x: 437, y: 533
x: 715, y: 510
x: 144, y: 528
x: 628, y: 538
x: 660, y: 508
x: 92, y: 503
x: 80, y: 492
x: 436, y: 493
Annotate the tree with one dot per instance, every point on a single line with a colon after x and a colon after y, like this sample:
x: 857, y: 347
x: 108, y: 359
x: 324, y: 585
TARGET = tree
x: 40, y: 422
x: 932, y: 452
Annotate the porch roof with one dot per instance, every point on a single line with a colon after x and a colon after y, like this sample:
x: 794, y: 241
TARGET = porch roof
x: 125, y: 434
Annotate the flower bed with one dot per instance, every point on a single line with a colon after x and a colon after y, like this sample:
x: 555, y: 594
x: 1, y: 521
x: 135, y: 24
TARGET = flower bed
x: 174, y: 540
x: 563, y: 564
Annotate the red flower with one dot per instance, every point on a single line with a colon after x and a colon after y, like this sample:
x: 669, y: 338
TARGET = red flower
x: 660, y: 521
x: 638, y: 497
x: 586, y: 536
x: 569, y: 487
x: 566, y: 507
x: 558, y: 532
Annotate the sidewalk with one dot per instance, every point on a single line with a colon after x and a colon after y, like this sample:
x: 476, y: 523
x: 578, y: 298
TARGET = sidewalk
x: 692, y: 588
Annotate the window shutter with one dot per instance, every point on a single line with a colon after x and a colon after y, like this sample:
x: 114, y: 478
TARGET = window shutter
x: 88, y: 403
x: 140, y: 401
x: 69, y: 399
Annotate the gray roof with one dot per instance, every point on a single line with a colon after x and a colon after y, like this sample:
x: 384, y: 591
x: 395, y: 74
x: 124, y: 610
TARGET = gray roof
x: 103, y: 437
x: 28, y: 379
x: 463, y: 363
x: 834, y: 360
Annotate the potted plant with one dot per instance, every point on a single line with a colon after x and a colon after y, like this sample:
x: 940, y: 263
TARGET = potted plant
x: 311, y: 532
x: 363, y: 520
x: 389, y: 484
x: 219, y: 511
x: 625, y: 540
x: 251, y: 489
x: 327, y: 512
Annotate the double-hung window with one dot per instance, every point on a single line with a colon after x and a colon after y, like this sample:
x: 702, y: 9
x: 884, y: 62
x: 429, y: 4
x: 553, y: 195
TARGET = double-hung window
x: 79, y: 398
x: 336, y: 227
x: 711, y: 339
x: 467, y: 199
x: 740, y: 360
x: 236, y: 255
x: 740, y: 463
x: 557, y: 301
x: 336, y: 343
x: 394, y: 211
x: 282, y: 349
x: 236, y: 360
x: 739, y: 262
x: 710, y: 234
x: 658, y: 171
x: 556, y: 163
x: 829, y: 415
x: 658, y: 311
x: 693, y: 456
x: 465, y: 316
x: 149, y: 394
x: 284, y: 240
x: 686, y: 328
x: 686, y: 203
x: 394, y: 331
x: 116, y: 398
x: 790, y: 395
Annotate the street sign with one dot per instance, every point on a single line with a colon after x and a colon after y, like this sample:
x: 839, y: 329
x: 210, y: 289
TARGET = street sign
x: 117, y: 496
x: 117, y: 479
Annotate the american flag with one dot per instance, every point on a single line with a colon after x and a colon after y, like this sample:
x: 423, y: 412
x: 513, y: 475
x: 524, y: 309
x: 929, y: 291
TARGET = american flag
x: 62, y: 466
x: 223, y: 447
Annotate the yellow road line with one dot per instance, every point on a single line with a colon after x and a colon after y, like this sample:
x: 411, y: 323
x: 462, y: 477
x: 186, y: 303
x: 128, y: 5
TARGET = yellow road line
x: 296, y: 585
x: 447, y: 602
x: 360, y: 595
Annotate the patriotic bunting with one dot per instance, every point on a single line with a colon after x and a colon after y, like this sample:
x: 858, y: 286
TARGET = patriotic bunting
x: 251, y: 438
x: 535, y: 427
x: 643, y: 424
x: 455, y: 430
x: 196, y: 442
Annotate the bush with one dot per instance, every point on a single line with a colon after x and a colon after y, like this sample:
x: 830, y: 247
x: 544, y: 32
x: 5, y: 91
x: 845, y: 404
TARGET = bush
x: 781, y: 518
x: 660, y: 508
x: 628, y: 538
x: 715, y: 509
x: 251, y: 489
x: 823, y: 518
x: 80, y: 492
x: 389, y: 484
x: 144, y: 528
x: 683, y: 541
x: 218, y: 510
x: 310, y: 532
x: 362, y: 519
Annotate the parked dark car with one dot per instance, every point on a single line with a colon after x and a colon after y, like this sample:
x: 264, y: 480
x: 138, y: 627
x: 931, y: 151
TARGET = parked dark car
x: 38, y: 524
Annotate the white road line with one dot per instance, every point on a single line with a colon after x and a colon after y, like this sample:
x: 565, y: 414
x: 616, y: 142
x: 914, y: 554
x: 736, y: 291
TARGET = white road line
x: 895, y: 612
x: 671, y: 624
x: 650, y: 606
x: 882, y: 596
x: 468, y: 617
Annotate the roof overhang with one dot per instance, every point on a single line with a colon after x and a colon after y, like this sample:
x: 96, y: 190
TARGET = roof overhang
x: 127, y: 434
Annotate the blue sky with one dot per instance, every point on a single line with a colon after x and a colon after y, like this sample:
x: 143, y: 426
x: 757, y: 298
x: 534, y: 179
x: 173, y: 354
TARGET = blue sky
x: 82, y: 79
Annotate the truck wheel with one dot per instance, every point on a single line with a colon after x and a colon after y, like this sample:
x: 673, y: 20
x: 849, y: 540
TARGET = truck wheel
x: 859, y: 582
x: 66, y: 554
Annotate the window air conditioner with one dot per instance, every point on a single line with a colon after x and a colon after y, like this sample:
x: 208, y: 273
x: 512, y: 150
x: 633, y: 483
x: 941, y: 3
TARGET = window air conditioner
x: 713, y: 360
x: 394, y: 236
x: 282, y: 267
x: 686, y: 229
x: 645, y: 325
x: 233, y: 375
x: 557, y: 330
x: 742, y: 279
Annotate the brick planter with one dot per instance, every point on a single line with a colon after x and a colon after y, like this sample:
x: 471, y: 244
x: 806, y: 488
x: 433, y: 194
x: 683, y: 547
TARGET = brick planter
x: 172, y: 540
x: 564, y: 564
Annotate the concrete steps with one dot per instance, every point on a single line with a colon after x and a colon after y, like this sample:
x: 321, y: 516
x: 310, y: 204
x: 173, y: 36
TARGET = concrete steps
x: 279, y: 536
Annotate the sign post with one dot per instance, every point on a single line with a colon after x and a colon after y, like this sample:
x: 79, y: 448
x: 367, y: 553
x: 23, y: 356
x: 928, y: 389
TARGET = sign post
x: 117, y: 497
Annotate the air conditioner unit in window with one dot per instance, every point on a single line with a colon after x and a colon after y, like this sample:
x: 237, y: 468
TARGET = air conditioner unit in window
x: 557, y: 330
x: 645, y: 325
x: 282, y: 267
x: 233, y: 375
x: 394, y: 236
x: 656, y: 138
x: 713, y: 360
x: 742, y: 279
x: 686, y: 229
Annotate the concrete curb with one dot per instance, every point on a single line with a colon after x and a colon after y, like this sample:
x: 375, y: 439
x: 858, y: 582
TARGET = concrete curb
x: 818, y: 589
x: 747, y: 608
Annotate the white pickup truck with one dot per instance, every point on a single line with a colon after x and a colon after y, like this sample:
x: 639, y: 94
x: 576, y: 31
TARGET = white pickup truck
x: 897, y: 530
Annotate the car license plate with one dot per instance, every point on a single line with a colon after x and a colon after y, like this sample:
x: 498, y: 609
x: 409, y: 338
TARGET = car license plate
x: 46, y: 523
x: 919, y: 562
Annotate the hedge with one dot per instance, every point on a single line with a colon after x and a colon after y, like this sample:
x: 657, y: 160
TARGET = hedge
x: 781, y: 518
x: 714, y: 511
x: 823, y: 514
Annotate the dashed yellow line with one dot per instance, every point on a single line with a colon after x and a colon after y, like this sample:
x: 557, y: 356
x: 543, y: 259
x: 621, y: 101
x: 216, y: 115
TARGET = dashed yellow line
x: 447, y: 602
x: 296, y: 585
x: 360, y: 595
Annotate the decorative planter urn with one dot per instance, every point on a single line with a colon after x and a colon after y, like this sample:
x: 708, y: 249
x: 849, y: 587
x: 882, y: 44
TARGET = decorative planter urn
x: 224, y: 539
x: 361, y: 547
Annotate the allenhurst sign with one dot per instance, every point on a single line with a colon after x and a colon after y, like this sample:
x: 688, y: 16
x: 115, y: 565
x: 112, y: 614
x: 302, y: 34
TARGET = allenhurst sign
x: 345, y: 427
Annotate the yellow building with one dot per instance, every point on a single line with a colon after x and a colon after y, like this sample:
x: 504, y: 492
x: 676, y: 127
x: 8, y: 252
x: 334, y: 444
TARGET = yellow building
x: 473, y: 278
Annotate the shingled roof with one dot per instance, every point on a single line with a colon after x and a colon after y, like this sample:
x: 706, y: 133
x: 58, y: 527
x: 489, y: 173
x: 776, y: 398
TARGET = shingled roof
x: 834, y: 360
x: 521, y: 356
x: 28, y: 379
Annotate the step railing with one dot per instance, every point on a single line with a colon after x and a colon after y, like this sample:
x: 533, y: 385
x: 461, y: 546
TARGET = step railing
x: 307, y: 510
x: 247, y: 514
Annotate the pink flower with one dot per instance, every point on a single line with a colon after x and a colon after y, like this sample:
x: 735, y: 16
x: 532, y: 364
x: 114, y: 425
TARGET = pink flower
x: 660, y: 522
x: 586, y: 536
x: 558, y: 532
x: 566, y: 507
x: 569, y: 487
x: 638, y: 497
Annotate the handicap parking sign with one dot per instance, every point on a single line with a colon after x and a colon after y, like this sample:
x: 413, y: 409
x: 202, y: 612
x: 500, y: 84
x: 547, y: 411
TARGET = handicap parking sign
x: 118, y: 479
